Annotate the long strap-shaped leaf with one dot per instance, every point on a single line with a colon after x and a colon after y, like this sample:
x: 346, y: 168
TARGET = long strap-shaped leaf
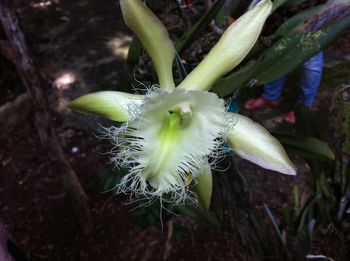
x: 284, y: 56
x: 293, y: 50
x: 307, y: 147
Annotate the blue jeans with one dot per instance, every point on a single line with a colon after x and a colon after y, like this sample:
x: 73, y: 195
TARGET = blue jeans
x: 310, y: 81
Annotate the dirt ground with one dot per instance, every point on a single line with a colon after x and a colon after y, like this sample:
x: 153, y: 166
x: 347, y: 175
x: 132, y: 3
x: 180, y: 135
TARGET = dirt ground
x: 81, y: 46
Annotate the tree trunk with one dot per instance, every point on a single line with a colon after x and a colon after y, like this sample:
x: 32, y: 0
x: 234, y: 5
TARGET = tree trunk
x: 34, y: 84
x: 14, y: 112
x: 238, y: 216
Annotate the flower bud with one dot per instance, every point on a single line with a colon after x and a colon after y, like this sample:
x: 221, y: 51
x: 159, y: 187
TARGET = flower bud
x: 253, y: 142
x: 231, y: 49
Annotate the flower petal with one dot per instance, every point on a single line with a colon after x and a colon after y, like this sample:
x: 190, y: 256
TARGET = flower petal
x: 117, y: 106
x: 231, y: 49
x: 154, y: 38
x: 253, y: 142
x: 204, y: 186
x: 168, y: 143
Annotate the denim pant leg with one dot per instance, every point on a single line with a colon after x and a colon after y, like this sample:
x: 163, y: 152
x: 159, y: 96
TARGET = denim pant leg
x: 273, y: 90
x: 310, y: 79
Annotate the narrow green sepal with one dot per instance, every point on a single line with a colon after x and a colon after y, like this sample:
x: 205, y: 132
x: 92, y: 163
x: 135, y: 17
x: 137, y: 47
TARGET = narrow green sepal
x: 204, y: 186
x: 154, y: 38
x: 116, y: 106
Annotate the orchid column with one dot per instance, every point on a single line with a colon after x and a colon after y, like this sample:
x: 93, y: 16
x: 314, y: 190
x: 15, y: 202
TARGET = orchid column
x: 169, y: 134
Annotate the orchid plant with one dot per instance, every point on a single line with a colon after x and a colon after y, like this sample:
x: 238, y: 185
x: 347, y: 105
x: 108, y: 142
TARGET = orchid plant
x: 171, y: 137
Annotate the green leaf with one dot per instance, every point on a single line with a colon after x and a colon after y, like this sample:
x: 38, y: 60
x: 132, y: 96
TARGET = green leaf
x: 294, y: 49
x: 219, y: 18
x: 235, y: 82
x: 204, y: 186
x: 303, y: 242
x: 191, y: 35
x: 180, y: 67
x: 233, y: 7
x: 277, y: 230
x: 135, y: 49
x: 308, y: 207
x: 110, y: 177
x: 284, y: 56
x: 306, y: 147
x: 291, y: 3
x: 296, y: 20
x: 109, y: 104
x: 287, y: 3
x: 198, y: 213
x: 277, y: 4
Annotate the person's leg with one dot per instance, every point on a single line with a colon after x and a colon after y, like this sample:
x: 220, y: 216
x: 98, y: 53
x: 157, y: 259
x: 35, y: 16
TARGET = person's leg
x: 273, y: 90
x: 311, y: 79
x: 270, y: 96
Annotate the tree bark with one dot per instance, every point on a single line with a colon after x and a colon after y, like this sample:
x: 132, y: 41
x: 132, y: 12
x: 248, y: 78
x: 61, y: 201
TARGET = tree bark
x: 238, y: 216
x: 33, y: 82
x: 14, y: 112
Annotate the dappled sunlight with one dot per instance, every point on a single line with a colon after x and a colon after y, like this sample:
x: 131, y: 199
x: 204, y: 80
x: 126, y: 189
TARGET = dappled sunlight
x: 119, y: 46
x: 44, y: 4
x: 64, y: 81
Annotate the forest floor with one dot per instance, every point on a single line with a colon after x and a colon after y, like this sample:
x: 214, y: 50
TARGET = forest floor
x: 80, y: 47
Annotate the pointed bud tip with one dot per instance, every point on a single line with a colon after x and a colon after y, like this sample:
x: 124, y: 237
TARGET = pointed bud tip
x: 254, y: 143
x: 290, y: 170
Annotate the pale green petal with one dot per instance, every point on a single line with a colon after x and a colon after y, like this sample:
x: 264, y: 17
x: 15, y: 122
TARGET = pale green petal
x: 231, y: 49
x: 171, y: 140
x: 154, y: 38
x: 204, y: 186
x: 117, y: 106
x: 253, y: 142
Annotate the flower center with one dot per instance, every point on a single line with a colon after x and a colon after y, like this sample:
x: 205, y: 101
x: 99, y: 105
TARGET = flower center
x: 172, y: 137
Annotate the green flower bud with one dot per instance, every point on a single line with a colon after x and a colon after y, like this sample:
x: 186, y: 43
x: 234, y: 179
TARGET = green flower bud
x: 230, y: 50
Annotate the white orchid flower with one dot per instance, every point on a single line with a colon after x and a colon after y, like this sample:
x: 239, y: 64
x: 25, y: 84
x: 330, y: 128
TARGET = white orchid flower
x: 169, y: 134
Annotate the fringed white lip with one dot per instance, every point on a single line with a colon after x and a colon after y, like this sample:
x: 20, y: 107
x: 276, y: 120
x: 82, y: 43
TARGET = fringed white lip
x: 169, y: 134
x: 168, y: 142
